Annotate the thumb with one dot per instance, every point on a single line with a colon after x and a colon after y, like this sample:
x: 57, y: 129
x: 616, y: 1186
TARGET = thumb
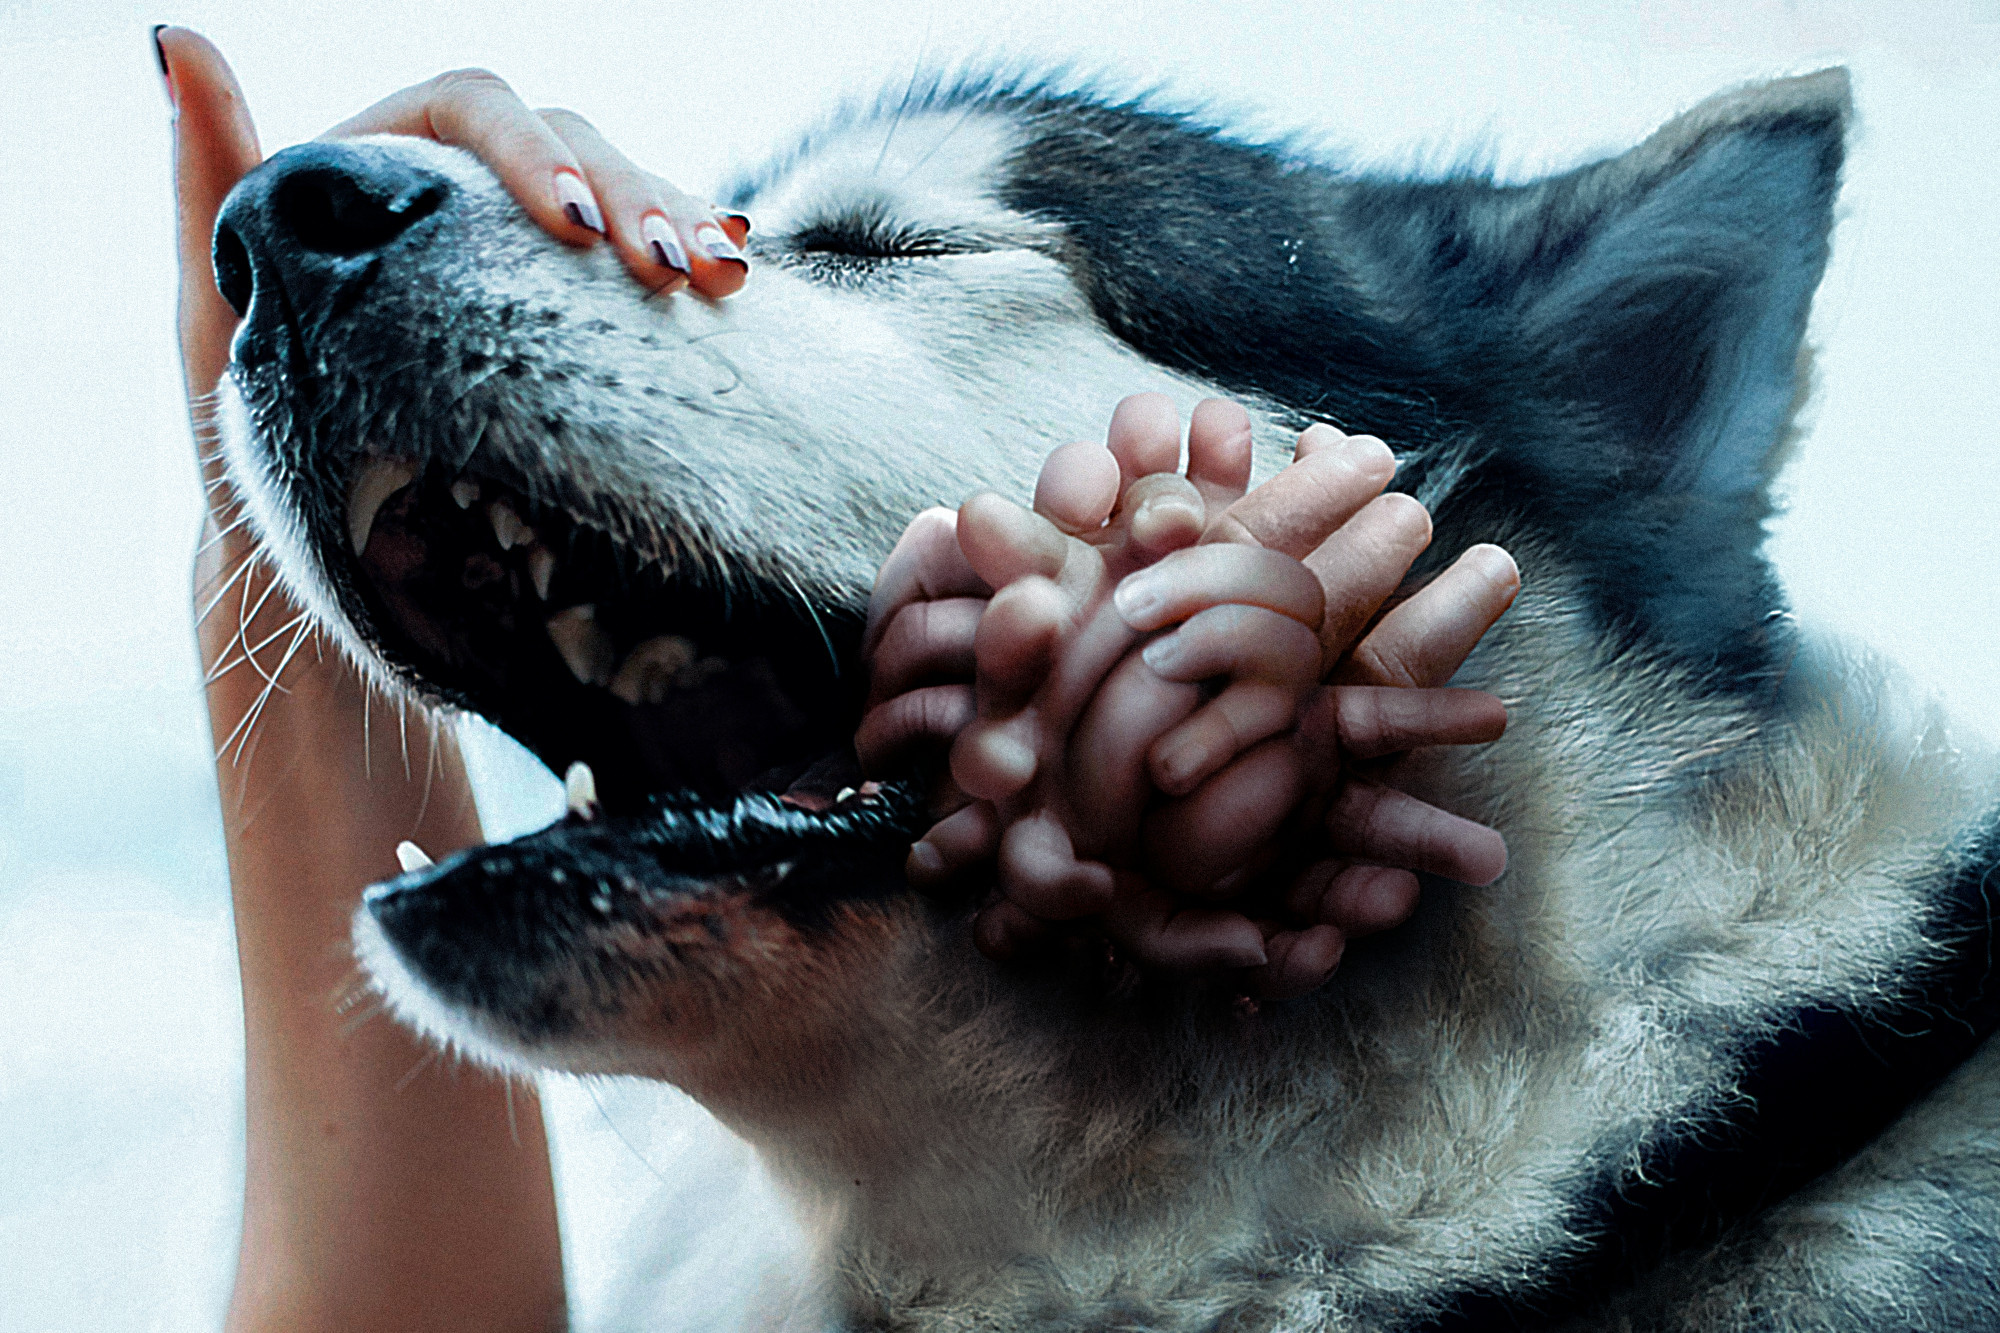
x: 215, y: 145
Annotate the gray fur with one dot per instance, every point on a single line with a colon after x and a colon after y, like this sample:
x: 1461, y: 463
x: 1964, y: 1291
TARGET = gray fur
x: 1718, y: 831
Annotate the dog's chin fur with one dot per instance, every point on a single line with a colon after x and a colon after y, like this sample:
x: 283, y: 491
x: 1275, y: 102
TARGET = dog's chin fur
x: 1650, y: 1079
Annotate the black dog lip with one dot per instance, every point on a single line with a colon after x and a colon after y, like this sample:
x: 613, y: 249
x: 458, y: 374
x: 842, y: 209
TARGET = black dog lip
x: 801, y: 861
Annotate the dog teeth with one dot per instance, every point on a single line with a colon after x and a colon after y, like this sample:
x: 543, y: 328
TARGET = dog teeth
x: 541, y: 568
x: 508, y: 529
x: 648, y: 673
x: 411, y: 857
x: 378, y: 479
x: 843, y: 794
x: 586, y: 649
x: 580, y: 790
x: 465, y: 493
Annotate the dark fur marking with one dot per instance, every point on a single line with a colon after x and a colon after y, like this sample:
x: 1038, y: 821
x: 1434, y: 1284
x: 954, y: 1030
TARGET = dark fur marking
x: 1805, y: 1102
x: 1625, y: 335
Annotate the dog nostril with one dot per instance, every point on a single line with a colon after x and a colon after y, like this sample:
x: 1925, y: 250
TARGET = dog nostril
x: 232, y: 269
x: 330, y: 212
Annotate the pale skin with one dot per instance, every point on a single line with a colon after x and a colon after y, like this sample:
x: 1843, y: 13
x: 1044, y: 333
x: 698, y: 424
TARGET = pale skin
x: 1084, y: 755
x: 385, y: 1190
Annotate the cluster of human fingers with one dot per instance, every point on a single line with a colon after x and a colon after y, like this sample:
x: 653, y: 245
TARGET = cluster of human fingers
x: 1129, y: 678
x: 571, y: 180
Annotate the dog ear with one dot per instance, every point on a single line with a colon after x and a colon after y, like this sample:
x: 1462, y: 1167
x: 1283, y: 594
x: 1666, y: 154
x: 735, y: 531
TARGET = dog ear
x: 1665, y: 291
x: 1639, y: 325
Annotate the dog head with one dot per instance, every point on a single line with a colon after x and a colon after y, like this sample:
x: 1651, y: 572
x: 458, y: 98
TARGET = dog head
x: 640, y: 532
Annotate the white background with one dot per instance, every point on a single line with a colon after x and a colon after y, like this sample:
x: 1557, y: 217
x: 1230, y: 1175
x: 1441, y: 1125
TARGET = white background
x: 119, y: 1028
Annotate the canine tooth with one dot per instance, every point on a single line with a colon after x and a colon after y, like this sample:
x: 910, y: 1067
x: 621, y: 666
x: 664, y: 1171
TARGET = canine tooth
x: 647, y: 674
x: 465, y: 493
x: 541, y: 568
x: 580, y: 790
x: 586, y: 649
x: 508, y: 529
x: 410, y: 856
x: 378, y: 479
x: 843, y: 794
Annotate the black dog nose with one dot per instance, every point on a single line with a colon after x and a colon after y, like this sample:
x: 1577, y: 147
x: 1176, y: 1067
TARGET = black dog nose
x: 303, y: 216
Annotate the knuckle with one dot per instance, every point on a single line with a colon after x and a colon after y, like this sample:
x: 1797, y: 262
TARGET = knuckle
x: 472, y: 79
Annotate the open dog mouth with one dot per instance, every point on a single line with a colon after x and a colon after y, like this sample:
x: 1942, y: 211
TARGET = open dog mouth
x: 715, y: 721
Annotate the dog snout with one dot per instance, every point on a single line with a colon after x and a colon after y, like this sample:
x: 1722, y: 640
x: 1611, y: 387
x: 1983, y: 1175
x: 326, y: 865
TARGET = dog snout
x: 311, y: 216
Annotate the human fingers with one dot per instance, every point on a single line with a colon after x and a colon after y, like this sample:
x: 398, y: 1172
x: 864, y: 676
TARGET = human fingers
x: 925, y: 640
x: 666, y: 237
x: 1245, y: 713
x: 1041, y: 873
x: 1219, y: 452
x: 934, y: 715
x: 1387, y: 827
x: 1003, y: 931
x: 215, y: 146
x: 1077, y: 487
x: 1271, y: 661
x: 1300, y: 962
x: 926, y: 565
x: 1003, y: 542
x: 1357, y: 900
x: 1014, y: 643
x: 1158, y: 514
x: 476, y: 109
x: 1144, y: 436
x: 1326, y: 486
x: 1423, y: 641
x: 1197, y: 844
x: 1240, y: 642
x: 1207, y: 576
x: 1106, y: 787
x: 1363, y: 562
x: 953, y: 844
x: 1158, y: 931
x: 1370, y: 721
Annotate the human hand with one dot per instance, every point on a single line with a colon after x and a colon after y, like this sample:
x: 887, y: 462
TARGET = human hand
x: 927, y: 613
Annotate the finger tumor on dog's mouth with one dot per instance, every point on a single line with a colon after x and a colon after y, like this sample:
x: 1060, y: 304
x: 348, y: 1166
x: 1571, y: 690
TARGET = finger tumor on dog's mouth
x: 663, y: 676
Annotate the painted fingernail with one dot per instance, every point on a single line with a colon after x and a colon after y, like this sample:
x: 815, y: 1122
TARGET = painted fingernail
x: 577, y: 205
x: 716, y: 243
x: 166, y: 73
x: 665, y: 244
x: 1137, y: 598
x: 735, y: 223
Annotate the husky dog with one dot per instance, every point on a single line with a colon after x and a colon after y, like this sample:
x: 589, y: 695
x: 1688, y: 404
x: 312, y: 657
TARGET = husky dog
x: 1710, y: 1055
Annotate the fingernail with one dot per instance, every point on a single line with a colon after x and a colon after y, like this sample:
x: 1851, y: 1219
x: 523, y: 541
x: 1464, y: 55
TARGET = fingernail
x: 1242, y: 955
x: 1137, y: 598
x: 577, y: 205
x: 1162, y: 653
x: 661, y: 239
x: 1494, y: 563
x: 166, y: 73
x: 735, y: 223
x: 712, y: 239
x: 926, y: 863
